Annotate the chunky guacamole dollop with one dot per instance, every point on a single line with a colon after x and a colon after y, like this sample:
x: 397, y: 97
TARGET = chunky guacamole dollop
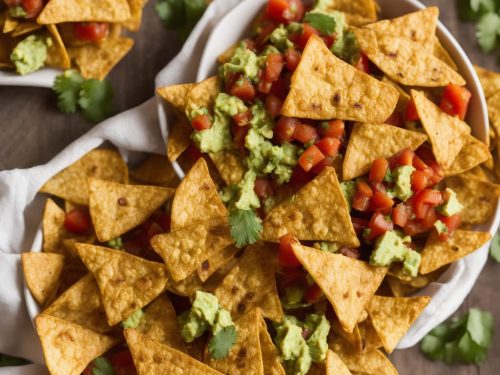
x: 243, y: 61
x: 402, y: 180
x: 30, y: 54
x: 133, y: 320
x: 451, y: 206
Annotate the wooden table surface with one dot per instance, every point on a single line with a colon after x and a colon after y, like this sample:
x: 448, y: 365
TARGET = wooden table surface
x: 33, y: 131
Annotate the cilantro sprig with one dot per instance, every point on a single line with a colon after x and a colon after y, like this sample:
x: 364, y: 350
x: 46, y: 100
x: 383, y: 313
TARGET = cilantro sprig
x: 102, y: 366
x: 180, y: 15
x: 464, y: 339
x: 221, y: 343
x: 245, y: 226
x: 321, y: 22
x: 495, y: 248
x: 7, y: 360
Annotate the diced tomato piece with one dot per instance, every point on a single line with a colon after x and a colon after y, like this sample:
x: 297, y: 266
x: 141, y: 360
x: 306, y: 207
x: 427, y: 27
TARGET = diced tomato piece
x: 363, y: 64
x: 429, y: 219
x: 359, y: 224
x: 285, y: 11
x: 350, y: 252
x: 91, y: 31
x: 292, y: 57
x: 153, y: 230
x: 286, y: 257
x: 413, y: 227
x: 326, y: 162
x: 395, y: 119
x: 122, y: 363
x: 404, y: 157
x: 300, y: 177
x: 32, y: 7
x: 263, y: 188
x: 328, y: 40
x: 201, y: 122
x: 332, y: 128
x: 264, y: 87
x: 419, y: 164
x: 77, y: 221
x: 305, y: 133
x: 419, y: 180
x: 273, y: 105
x: 310, y: 158
x: 329, y: 146
x: 307, y: 32
x: 266, y: 28
x: 274, y: 66
x: 452, y: 223
x: 378, y: 225
x: 438, y: 174
x: 378, y: 170
x: 381, y: 202
x: 313, y: 293
x: 285, y: 129
x: 377, y: 186
x: 162, y: 219
x: 193, y: 153
x: 400, y: 214
x: 243, y: 89
x: 455, y: 100
x: 243, y: 118
x: 362, y: 196
x: 411, y: 111
x: 239, y: 134
x: 280, y: 87
x: 12, y: 3
x: 424, y: 200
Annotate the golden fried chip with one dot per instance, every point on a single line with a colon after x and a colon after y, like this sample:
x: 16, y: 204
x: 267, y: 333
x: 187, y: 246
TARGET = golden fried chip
x: 490, y: 81
x: 67, y: 347
x: 134, y: 22
x: 398, y: 288
x: 438, y: 253
x: 370, y: 338
x: 494, y: 113
x: 353, y: 338
x: 57, y: 55
x: 392, y: 317
x: 25, y: 28
x: 153, y: 357
x: 116, y: 208
x: 347, y: 283
x: 176, y: 95
x: 366, y: 9
x: 324, y: 87
x: 318, y: 212
x: 126, y: 282
x: 473, y: 153
x: 405, y: 61
x: 53, y: 228
x: 10, y: 24
x: 179, y: 137
x: 41, y: 272
x: 216, y: 261
x: 270, y: 356
x: 184, y: 249
x: 71, y: 183
x: 252, y: 283
x: 155, y: 170
x: 97, y: 60
x: 403, y: 99
x: 203, y: 94
x: 59, y: 11
x: 334, y: 365
x: 230, y: 165
x: 196, y: 198
x: 442, y: 54
x: 447, y: 134
x: 369, y: 142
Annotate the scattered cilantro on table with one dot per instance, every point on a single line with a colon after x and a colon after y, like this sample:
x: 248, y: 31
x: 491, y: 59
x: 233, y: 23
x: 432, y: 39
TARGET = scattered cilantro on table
x: 7, y: 360
x: 180, y: 15
x: 245, y: 226
x: 495, y: 248
x: 463, y: 339
x: 220, y: 344
x: 102, y: 366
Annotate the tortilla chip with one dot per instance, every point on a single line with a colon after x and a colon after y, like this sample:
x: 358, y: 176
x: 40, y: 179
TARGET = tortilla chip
x: 159, y: 323
x: 419, y: 26
x: 126, y: 282
x: 155, y: 170
x: 53, y: 228
x: 403, y: 99
x: 252, y: 283
x: 116, y: 208
x: 203, y: 94
x: 392, y: 317
x: 81, y: 304
x: 183, y: 250
x: 490, y: 81
x: 324, y: 87
x: 438, y: 253
x: 347, y: 283
x: 334, y: 365
x: 10, y: 24
x: 134, y: 22
x: 370, y: 338
x: 97, y: 60
x: 179, y: 138
x: 369, y: 142
x: 245, y: 357
x: 41, y: 272
x: 71, y: 183
x: 153, y: 357
x: 270, y: 356
x: 57, y: 55
x: 216, y: 261
x: 67, y: 347
x: 59, y: 11
x: 353, y: 338
x: 176, y: 95
x: 473, y: 153
x: 230, y: 165
x: 318, y: 212
x: 447, y: 134
x: 398, y: 288
x: 363, y: 8
x: 25, y: 28
x: 405, y: 61
x: 442, y: 54
x: 196, y: 198
x: 494, y: 112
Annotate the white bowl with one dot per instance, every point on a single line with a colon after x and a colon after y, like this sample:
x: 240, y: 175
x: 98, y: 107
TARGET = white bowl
x: 41, y: 78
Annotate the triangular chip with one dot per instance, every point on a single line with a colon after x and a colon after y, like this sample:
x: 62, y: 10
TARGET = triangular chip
x: 437, y: 254
x: 419, y: 26
x: 183, y: 250
x: 176, y: 95
x: 57, y: 55
x: 353, y: 338
x: 203, y: 94
x: 369, y: 142
x: 134, y: 22
x: 59, y: 11
x: 245, y: 357
x: 490, y: 81
x: 81, y: 304
x: 366, y: 9
x: 116, y: 208
x: 317, y: 212
x: 53, y: 228
x: 153, y: 357
x: 334, y: 365
x: 230, y: 165
x: 216, y: 261
x: 325, y: 87
x: 404, y: 97
x: 370, y: 338
x: 179, y: 137
x: 252, y: 283
x: 473, y: 153
x: 442, y: 54
x: 392, y: 317
x: 196, y: 198
x: 71, y: 183
x: 67, y: 347
x: 270, y: 356
x: 41, y: 272
x: 494, y: 112
x: 155, y: 170
x: 405, y: 61
x: 126, y: 282
x: 347, y: 283
x: 447, y: 134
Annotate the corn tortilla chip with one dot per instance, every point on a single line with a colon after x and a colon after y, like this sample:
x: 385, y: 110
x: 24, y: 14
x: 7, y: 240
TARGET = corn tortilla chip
x: 270, y: 356
x: 230, y: 165
x: 447, y: 134
x: 473, y: 153
x: 176, y: 95
x: 494, y: 113
x: 183, y: 250
x: 363, y: 8
x: 155, y: 170
x: 438, y: 253
x: 134, y: 22
x: 353, y: 338
x: 252, y: 283
x: 186, y: 287
x: 403, y: 99
x: 10, y: 24
x: 59, y: 11
x: 41, y: 272
x: 398, y: 288
x: 347, y: 283
x: 405, y: 61
x: 53, y: 228
x: 67, y: 347
x: 126, y: 282
x: 203, y: 94
x: 442, y: 54
x: 179, y: 138
x: 334, y: 365
x: 317, y: 212
x: 196, y: 198
x: 216, y: 261
x: 325, y: 87
x: 25, y: 28
x: 370, y: 338
x: 369, y: 142
x: 490, y: 81
x: 57, y: 55
x: 116, y: 208
x: 392, y: 317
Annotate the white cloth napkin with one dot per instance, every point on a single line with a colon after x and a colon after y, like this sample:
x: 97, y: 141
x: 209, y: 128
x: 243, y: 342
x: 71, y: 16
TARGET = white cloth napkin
x: 133, y: 132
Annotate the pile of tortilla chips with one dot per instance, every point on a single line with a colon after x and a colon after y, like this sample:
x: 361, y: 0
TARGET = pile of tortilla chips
x: 57, y: 21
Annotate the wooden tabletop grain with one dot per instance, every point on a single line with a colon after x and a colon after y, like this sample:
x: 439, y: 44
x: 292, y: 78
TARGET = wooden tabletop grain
x: 32, y: 131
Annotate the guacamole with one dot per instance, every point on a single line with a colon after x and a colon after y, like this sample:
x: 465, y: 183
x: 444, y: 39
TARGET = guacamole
x: 441, y: 227
x: 133, y: 320
x: 348, y: 189
x: 451, y: 206
x: 402, y: 179
x: 331, y: 247
x: 279, y: 38
x: 116, y: 243
x: 17, y: 12
x: 243, y: 61
x: 30, y: 54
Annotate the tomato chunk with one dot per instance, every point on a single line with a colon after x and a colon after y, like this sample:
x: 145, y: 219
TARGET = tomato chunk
x: 381, y: 202
x: 122, y: 363
x: 292, y: 57
x: 326, y: 162
x: 307, y: 32
x: 91, y: 31
x: 32, y: 7
x: 455, y: 100
x: 329, y: 146
x: 452, y: 223
x: 263, y: 188
x: 362, y: 196
x: 274, y: 66
x: 285, y: 10
x: 286, y: 256
x: 243, y: 118
x: 305, y: 133
x: 363, y: 64
x: 429, y: 219
x: 411, y: 111
x: 273, y: 105
x: 378, y: 225
x: 201, y: 122
x: 413, y: 228
x: 404, y: 157
x: 401, y: 214
x: 313, y: 293
x: 77, y: 221
x: 419, y: 180
x: 359, y: 224
x: 378, y: 170
x: 310, y: 158
x: 285, y: 128
x: 243, y: 89
x: 424, y: 200
x: 239, y: 134
x: 333, y: 128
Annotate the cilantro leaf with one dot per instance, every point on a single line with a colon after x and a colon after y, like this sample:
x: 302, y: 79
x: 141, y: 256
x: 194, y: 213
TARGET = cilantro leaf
x: 322, y: 22
x: 245, y: 227
x: 473, y: 10
x: 487, y: 31
x: 67, y: 87
x: 102, y: 366
x: 482, y: 5
x: 171, y: 12
x: 221, y: 343
x: 495, y: 248
x: 7, y: 360
x: 95, y: 99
